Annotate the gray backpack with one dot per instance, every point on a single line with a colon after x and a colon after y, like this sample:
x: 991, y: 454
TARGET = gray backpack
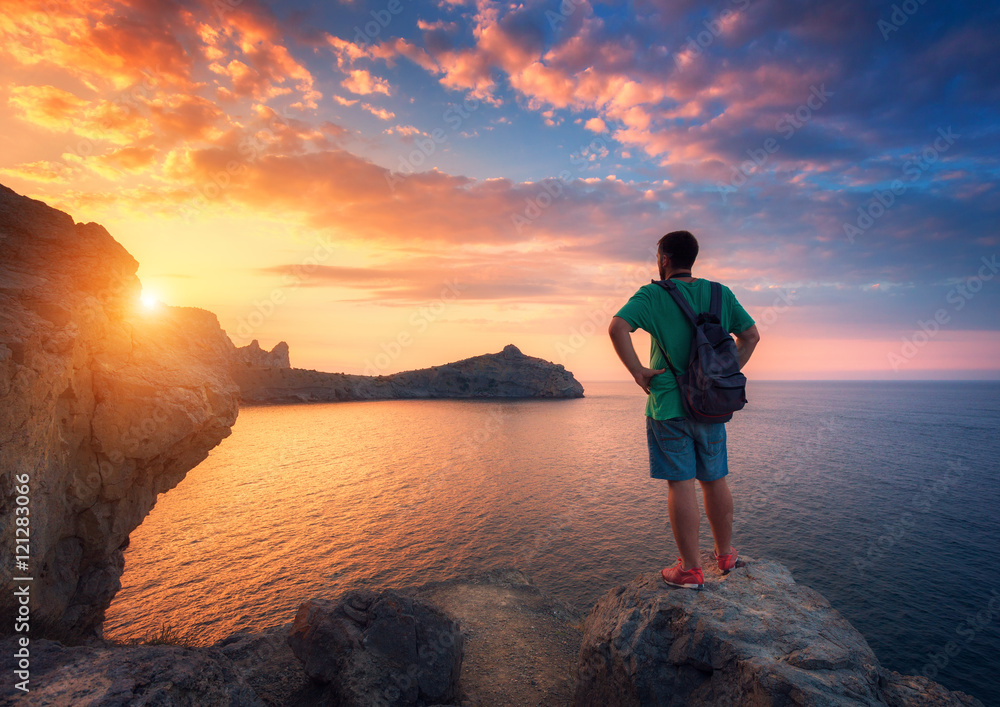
x: 712, y: 387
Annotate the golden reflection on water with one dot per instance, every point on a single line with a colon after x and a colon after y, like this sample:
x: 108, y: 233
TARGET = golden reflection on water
x: 308, y: 500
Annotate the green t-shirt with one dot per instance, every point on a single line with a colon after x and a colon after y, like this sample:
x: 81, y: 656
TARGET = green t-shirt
x: 654, y: 310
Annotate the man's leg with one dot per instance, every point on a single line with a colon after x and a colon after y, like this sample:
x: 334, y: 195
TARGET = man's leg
x: 685, y: 518
x: 719, y: 509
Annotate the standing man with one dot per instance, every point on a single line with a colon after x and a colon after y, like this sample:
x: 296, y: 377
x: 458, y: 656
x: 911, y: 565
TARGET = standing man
x: 682, y: 450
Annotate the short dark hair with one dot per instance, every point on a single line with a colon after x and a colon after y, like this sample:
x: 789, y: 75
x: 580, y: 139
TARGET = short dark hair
x: 680, y: 246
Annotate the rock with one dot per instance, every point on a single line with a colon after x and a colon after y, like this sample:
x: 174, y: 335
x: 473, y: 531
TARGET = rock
x: 103, y: 406
x: 511, y: 352
x: 753, y: 637
x: 520, y: 646
x: 105, y: 675
x: 266, y: 662
x: 386, y: 648
x: 507, y: 374
x: 253, y: 355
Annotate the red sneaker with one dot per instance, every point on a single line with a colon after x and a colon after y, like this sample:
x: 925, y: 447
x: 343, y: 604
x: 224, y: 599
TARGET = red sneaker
x: 677, y: 576
x: 727, y: 562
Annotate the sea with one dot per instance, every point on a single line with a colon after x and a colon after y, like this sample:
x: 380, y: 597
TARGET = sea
x: 882, y: 496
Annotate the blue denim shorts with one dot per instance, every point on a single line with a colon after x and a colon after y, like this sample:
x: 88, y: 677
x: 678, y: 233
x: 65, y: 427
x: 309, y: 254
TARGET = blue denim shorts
x: 681, y: 449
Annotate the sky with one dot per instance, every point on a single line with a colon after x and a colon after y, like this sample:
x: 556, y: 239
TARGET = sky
x: 397, y: 184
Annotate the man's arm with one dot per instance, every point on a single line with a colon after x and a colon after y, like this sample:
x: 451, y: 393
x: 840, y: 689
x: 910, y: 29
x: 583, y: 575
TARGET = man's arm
x: 620, y: 331
x: 746, y: 342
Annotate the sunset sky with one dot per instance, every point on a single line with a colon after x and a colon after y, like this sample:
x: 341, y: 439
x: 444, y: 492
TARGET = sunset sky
x: 397, y: 184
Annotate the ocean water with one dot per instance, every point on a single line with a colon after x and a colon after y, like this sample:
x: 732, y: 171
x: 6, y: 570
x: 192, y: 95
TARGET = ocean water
x: 882, y: 496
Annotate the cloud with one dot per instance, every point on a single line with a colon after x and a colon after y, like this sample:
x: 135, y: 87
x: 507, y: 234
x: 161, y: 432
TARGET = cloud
x: 102, y: 45
x: 61, y: 111
x: 421, y: 278
x: 363, y: 83
x: 42, y: 171
x: 126, y: 160
x: 380, y: 113
x: 407, y: 131
x: 158, y: 45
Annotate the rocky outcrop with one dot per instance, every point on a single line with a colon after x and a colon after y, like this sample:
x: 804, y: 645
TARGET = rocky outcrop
x: 123, y: 676
x: 507, y: 374
x: 379, y: 648
x: 752, y: 637
x: 518, y: 647
x: 103, y: 406
x: 253, y: 355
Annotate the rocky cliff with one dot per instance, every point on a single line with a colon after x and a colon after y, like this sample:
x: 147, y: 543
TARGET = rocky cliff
x: 103, y: 406
x: 507, y: 374
x: 252, y: 355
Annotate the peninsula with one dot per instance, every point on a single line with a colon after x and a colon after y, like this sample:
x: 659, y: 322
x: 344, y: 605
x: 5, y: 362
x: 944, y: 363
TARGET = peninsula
x: 267, y: 377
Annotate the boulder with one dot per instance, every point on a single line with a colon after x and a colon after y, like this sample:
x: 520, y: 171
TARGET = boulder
x: 103, y: 405
x: 379, y: 648
x: 752, y: 637
x: 105, y: 675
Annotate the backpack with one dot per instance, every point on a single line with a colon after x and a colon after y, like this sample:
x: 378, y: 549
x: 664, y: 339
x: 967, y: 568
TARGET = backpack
x: 712, y: 387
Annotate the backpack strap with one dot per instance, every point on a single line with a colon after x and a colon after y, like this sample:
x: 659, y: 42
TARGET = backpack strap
x: 671, y: 287
x: 715, y: 308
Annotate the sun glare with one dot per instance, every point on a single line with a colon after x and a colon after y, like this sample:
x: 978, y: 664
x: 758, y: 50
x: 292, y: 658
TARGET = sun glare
x: 149, y: 300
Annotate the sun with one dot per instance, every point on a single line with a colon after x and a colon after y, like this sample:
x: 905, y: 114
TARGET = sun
x: 149, y: 300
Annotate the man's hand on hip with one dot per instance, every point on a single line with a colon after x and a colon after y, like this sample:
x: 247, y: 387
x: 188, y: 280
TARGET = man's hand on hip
x: 619, y: 330
x: 644, y: 375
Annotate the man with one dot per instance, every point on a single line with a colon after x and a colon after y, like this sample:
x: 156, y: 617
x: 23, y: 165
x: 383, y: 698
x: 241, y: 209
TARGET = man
x: 682, y: 450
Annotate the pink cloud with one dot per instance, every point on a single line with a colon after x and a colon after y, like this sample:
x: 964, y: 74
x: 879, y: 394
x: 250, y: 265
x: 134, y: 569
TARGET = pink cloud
x: 380, y: 113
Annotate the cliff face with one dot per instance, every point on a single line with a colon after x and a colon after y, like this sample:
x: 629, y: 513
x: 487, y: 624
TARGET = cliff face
x: 102, y: 405
x: 507, y: 374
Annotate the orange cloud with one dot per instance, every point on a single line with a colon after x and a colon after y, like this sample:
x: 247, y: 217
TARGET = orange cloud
x: 127, y: 160
x: 58, y: 110
x: 158, y: 45
x: 358, y: 201
x: 99, y: 43
x: 41, y: 171
x: 363, y: 83
x: 419, y: 278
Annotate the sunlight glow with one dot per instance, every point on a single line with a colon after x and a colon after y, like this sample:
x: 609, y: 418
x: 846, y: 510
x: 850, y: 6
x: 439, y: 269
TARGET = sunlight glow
x: 149, y: 300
